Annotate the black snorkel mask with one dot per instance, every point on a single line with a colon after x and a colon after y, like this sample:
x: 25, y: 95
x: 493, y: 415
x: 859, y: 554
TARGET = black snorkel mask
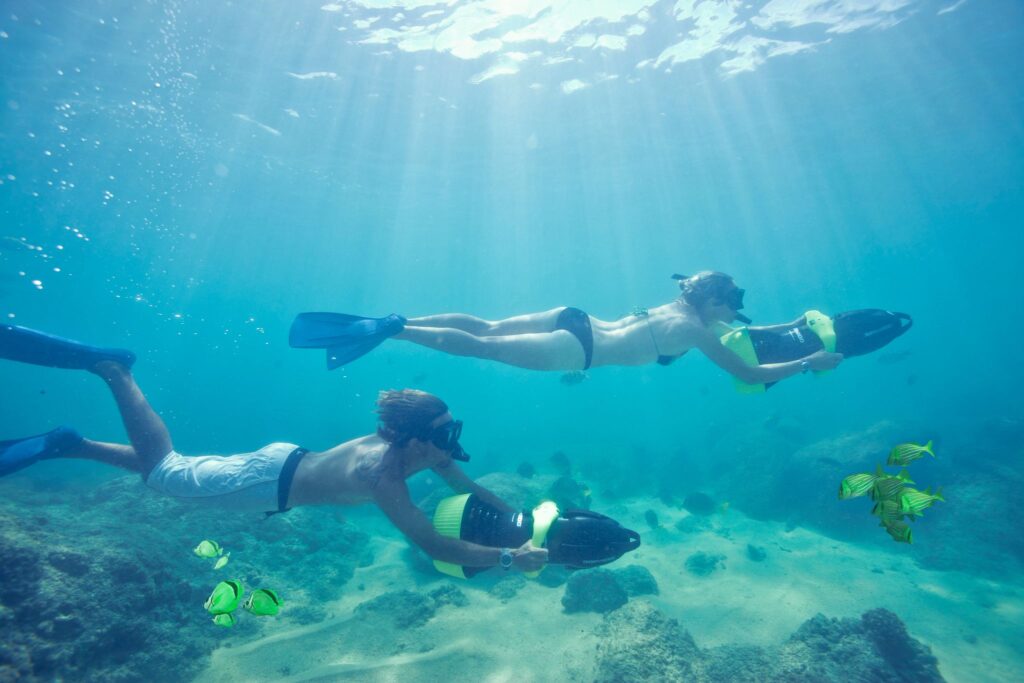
x: 446, y: 438
x: 734, y: 300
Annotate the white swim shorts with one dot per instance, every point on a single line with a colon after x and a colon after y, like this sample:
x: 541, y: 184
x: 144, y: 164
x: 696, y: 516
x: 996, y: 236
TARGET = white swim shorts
x: 247, y: 482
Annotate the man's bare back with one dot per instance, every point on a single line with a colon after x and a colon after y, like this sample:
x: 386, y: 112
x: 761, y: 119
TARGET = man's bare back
x: 344, y: 475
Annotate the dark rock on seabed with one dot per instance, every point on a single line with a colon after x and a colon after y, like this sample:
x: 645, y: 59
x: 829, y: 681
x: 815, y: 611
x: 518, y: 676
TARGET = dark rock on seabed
x: 636, y: 580
x: 651, y: 517
x: 593, y: 590
x: 703, y: 564
x: 639, y: 643
x: 698, y: 503
x: 569, y: 494
x: 554, y: 575
x: 526, y: 470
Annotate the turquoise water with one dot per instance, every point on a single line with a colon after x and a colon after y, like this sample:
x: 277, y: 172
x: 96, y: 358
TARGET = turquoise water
x: 182, y: 178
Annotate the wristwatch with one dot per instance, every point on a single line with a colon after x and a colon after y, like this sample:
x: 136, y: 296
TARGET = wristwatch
x: 805, y: 365
x: 505, y: 559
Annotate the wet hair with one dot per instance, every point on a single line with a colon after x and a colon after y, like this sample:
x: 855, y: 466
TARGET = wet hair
x: 406, y: 414
x: 705, y: 286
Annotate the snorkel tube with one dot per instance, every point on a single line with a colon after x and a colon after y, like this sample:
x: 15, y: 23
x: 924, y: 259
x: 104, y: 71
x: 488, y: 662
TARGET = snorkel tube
x: 575, y: 538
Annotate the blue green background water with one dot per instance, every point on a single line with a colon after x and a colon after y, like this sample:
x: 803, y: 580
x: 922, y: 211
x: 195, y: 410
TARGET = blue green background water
x: 149, y: 154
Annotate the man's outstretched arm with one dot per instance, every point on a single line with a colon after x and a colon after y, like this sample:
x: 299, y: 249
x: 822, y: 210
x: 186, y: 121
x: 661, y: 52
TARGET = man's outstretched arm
x: 460, y: 483
x: 393, y: 498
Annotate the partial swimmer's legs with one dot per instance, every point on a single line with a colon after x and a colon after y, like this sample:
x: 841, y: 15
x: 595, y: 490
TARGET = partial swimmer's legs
x: 553, y: 350
x: 116, y: 454
x: 530, y: 323
x: 147, y: 432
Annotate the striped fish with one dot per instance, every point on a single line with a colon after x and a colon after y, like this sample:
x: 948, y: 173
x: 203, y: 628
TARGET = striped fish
x: 888, y: 511
x: 906, y: 453
x: 904, y: 476
x: 856, y: 485
x: 900, y: 532
x: 914, y: 502
x: 887, y: 488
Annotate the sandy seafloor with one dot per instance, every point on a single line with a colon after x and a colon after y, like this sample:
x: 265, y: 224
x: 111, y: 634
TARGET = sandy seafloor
x: 529, y: 638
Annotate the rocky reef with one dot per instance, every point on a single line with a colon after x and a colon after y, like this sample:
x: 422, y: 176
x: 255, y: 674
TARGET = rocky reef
x: 639, y: 643
x: 594, y: 590
x: 603, y: 590
x: 103, y: 585
x: 636, y: 580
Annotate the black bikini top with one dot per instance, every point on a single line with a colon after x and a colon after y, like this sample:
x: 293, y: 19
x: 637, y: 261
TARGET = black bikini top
x: 662, y: 358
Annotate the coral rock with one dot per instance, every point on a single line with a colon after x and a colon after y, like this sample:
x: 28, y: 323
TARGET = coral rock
x: 593, y: 590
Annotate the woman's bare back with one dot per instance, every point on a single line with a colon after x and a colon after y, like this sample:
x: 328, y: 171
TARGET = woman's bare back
x: 642, y: 339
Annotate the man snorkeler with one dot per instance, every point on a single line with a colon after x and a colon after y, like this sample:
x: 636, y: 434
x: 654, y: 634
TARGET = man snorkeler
x: 416, y: 432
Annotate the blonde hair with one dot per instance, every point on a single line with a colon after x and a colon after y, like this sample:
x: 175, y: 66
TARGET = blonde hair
x: 705, y: 286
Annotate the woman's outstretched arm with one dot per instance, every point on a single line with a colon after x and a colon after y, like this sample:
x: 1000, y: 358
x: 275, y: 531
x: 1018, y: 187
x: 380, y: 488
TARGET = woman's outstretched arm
x: 781, y: 327
x: 711, y: 346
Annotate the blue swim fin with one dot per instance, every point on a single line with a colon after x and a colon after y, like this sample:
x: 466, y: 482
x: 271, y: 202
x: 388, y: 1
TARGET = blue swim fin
x: 20, y: 453
x: 346, y: 337
x: 38, y: 348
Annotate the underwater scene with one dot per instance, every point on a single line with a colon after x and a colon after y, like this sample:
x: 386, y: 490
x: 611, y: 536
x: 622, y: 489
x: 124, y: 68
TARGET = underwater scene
x: 408, y: 340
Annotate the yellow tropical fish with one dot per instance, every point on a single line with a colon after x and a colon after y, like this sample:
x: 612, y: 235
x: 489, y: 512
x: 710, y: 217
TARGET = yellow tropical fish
x: 900, y: 532
x: 207, y: 549
x: 263, y: 602
x: 887, y: 488
x: 225, y: 620
x: 225, y: 597
x: 914, y: 502
x: 906, y: 453
x: 222, y: 561
x: 904, y: 476
x: 888, y: 511
x: 856, y: 485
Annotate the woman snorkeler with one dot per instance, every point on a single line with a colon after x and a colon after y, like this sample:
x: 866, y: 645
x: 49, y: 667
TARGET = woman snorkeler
x: 568, y: 339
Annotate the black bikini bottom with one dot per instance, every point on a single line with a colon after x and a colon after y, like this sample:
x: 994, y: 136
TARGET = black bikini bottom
x: 284, y: 481
x: 577, y: 322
